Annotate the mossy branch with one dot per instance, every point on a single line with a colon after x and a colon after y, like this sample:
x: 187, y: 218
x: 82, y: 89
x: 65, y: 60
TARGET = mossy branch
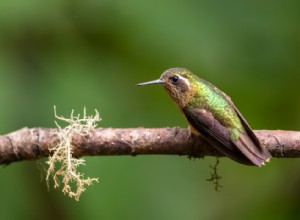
x: 35, y: 143
x: 64, y: 147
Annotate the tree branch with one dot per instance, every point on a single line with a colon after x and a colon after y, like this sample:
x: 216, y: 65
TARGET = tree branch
x: 35, y: 143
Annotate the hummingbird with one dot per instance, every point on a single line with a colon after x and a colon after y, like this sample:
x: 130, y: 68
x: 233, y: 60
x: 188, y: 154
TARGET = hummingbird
x: 212, y: 114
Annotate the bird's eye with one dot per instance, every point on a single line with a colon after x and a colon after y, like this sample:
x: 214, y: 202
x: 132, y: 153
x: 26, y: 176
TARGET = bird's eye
x: 174, y: 79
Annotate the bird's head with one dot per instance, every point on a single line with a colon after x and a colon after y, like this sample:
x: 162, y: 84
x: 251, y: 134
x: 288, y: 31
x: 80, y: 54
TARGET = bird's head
x: 179, y: 83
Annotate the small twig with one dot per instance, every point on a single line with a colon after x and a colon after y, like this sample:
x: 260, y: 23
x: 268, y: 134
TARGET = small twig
x: 214, y: 176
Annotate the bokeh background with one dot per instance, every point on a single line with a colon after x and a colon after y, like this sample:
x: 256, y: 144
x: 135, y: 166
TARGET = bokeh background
x: 92, y: 53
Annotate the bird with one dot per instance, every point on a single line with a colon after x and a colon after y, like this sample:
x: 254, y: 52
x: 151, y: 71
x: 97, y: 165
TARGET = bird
x: 212, y: 114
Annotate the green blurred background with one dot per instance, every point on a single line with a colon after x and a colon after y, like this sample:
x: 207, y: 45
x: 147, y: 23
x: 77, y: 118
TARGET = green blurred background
x: 92, y: 53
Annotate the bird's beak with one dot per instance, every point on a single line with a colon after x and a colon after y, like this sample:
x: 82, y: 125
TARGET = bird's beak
x: 158, y: 81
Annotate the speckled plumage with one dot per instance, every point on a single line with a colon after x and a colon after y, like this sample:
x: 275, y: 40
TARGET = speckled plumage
x: 211, y: 112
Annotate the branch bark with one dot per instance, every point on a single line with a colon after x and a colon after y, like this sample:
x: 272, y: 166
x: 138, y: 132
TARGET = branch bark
x: 35, y: 143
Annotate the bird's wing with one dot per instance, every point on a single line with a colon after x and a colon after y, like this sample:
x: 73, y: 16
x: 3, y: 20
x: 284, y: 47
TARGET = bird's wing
x: 244, y: 150
x: 215, y: 133
x: 204, y: 122
x: 256, y: 148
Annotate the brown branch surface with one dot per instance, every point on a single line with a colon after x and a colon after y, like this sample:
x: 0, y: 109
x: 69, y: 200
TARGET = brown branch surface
x: 34, y: 143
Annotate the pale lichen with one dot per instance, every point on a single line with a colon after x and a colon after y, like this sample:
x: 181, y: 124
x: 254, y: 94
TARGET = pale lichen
x: 63, y: 167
